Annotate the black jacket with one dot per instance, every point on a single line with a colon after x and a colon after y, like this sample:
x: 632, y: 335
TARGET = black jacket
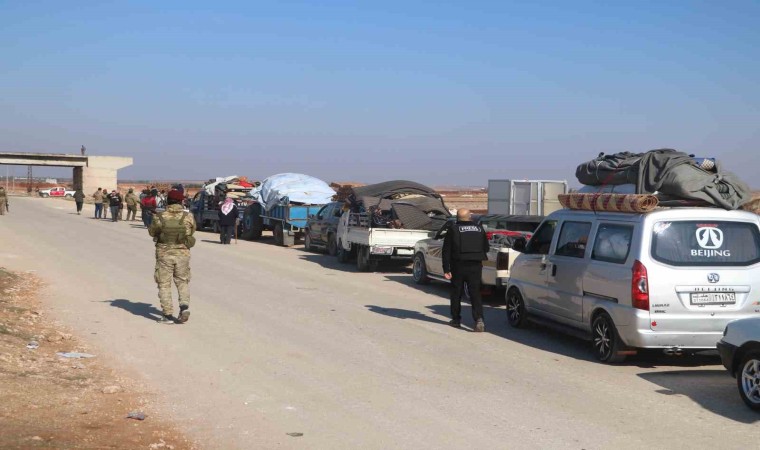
x: 114, y: 199
x: 464, y: 241
x: 227, y: 220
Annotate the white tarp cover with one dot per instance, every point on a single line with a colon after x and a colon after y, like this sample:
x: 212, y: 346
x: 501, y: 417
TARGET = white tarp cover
x: 293, y: 187
x: 210, y: 187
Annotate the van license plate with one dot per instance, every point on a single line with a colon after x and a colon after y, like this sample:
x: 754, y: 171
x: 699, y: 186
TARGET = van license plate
x: 714, y: 298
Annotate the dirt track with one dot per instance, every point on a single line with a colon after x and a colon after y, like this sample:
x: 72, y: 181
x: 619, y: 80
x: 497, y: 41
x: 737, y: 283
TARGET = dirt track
x: 282, y: 341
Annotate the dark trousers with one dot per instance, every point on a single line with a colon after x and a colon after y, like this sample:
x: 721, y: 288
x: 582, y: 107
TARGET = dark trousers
x: 98, y: 210
x: 469, y: 272
x: 114, y: 213
x: 79, y: 206
x: 147, y: 217
x: 226, y: 234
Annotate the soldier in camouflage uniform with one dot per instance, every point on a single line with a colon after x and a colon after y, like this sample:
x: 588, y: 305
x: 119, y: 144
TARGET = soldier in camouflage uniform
x: 3, y: 201
x: 172, y: 230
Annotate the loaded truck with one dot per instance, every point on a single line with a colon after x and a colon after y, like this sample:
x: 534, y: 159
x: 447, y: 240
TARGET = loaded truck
x: 205, y: 204
x: 282, y: 204
x: 386, y: 220
x: 525, y: 197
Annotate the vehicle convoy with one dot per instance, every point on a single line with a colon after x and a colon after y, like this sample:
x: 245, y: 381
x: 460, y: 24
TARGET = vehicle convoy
x: 740, y: 352
x: 321, y: 229
x: 386, y: 220
x: 57, y: 192
x: 669, y: 279
x: 501, y: 231
x: 283, y: 204
x: 205, y: 204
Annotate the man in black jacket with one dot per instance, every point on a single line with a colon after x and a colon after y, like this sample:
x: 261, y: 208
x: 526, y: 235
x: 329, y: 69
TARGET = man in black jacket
x: 465, y: 247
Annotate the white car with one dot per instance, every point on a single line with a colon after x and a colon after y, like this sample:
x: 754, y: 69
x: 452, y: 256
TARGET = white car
x: 740, y: 351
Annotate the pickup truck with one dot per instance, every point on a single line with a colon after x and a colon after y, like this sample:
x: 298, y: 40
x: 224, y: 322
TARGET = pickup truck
x: 56, y: 192
x: 501, y: 231
x: 205, y: 209
x: 287, y: 222
x: 385, y: 221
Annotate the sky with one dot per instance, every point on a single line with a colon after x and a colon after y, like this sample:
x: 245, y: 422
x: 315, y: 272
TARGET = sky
x: 443, y: 93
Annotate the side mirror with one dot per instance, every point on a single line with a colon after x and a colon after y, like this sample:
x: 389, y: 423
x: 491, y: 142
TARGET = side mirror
x: 520, y: 244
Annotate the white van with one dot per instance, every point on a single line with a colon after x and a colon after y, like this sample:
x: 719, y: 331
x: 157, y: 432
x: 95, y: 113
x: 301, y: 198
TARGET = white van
x: 670, y: 279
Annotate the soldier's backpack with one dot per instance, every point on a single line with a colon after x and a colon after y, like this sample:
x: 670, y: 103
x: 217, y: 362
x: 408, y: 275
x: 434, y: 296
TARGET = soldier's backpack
x: 173, y: 232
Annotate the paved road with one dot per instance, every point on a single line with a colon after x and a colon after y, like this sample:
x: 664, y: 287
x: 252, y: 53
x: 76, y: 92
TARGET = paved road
x: 282, y: 341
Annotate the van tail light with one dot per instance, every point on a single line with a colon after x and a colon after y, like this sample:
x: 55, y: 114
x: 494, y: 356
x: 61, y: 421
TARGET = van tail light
x: 640, y: 287
x: 502, y: 261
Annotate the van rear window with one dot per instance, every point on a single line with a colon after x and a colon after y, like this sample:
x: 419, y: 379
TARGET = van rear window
x: 706, y: 243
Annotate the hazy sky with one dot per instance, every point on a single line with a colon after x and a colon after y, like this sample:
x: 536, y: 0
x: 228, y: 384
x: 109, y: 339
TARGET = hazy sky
x: 437, y: 92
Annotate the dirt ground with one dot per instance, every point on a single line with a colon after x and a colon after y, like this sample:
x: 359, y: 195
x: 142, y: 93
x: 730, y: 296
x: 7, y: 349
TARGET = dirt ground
x: 49, y: 401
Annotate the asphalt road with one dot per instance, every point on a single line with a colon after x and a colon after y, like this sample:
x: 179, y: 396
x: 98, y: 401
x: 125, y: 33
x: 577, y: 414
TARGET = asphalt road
x: 283, y: 341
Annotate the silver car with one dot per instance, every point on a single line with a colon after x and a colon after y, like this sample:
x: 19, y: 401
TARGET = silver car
x: 670, y: 279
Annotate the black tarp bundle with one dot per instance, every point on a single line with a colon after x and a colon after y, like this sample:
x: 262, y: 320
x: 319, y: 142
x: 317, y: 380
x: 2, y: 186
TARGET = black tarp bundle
x: 401, y: 203
x: 674, y: 175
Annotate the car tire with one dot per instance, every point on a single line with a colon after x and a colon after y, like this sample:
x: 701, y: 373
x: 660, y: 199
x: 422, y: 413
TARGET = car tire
x: 45, y: 195
x: 307, y: 241
x: 68, y: 196
x: 748, y: 379
x: 419, y: 270
x: 517, y: 314
x: 605, y: 340
x: 343, y: 255
x: 332, y: 245
x: 362, y: 259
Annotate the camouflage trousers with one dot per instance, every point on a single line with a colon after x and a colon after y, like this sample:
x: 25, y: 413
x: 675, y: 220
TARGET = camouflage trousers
x: 172, y: 264
x: 2, y: 206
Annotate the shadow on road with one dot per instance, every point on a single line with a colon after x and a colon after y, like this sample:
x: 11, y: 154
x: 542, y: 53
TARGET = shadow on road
x: 397, y: 313
x: 210, y: 241
x: 713, y: 390
x: 331, y: 262
x: 146, y: 310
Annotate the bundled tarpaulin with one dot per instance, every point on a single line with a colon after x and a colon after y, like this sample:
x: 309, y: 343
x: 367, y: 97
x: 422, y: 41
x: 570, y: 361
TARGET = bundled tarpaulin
x: 673, y: 175
x: 297, y: 188
x: 220, y: 183
x: 400, y: 204
x: 630, y: 203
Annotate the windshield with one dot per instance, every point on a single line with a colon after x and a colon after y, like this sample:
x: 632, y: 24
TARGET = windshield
x: 706, y: 243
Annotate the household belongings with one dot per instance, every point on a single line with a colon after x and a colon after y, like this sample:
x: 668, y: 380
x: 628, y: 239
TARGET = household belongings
x: 297, y: 188
x: 632, y: 203
x: 400, y: 204
x: 675, y: 177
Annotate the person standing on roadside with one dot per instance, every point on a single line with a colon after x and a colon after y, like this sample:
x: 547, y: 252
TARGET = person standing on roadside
x: 228, y: 215
x: 172, y: 231
x: 149, y: 208
x: 131, y: 200
x: 3, y: 201
x: 79, y: 200
x: 115, y: 202
x: 465, y: 247
x: 98, y: 198
x: 106, y: 203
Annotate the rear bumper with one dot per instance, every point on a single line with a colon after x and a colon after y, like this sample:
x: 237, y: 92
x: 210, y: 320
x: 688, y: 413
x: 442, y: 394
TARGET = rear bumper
x: 634, y: 336
x: 727, y: 352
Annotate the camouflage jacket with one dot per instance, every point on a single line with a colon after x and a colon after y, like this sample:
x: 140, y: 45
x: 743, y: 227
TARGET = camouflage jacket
x: 172, y: 212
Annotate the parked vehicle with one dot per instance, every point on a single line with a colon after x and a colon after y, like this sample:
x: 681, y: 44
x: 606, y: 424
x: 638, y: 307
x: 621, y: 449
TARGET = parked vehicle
x: 205, y: 209
x: 428, y: 262
x: 524, y: 197
x: 283, y: 204
x: 670, y: 279
x: 386, y: 220
x: 321, y: 229
x: 740, y: 351
x: 56, y: 192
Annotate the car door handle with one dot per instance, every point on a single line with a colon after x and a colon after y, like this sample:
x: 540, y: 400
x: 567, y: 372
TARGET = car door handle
x: 554, y: 270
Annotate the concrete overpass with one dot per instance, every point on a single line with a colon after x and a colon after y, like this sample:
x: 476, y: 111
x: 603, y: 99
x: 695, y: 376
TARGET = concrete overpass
x: 90, y: 172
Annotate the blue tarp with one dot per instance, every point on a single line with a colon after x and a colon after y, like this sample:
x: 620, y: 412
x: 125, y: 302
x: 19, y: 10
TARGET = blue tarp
x: 287, y: 188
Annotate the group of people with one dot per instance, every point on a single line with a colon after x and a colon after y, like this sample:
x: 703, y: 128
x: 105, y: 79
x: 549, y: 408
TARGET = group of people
x: 113, y: 201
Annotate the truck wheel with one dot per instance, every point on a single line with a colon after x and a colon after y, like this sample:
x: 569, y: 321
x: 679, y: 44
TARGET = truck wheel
x: 279, y: 235
x: 419, y: 270
x: 68, y: 195
x: 253, y: 224
x: 606, y: 340
x: 343, y: 254
x: 332, y: 245
x: 45, y: 195
x: 362, y: 258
